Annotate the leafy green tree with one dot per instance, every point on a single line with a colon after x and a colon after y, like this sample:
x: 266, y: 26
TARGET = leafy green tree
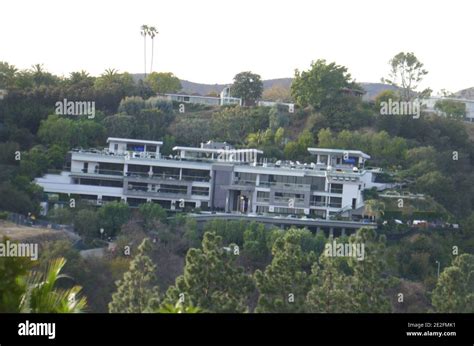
x: 320, y: 84
x: 34, y: 163
x: 42, y: 296
x: 112, y: 216
x: 61, y: 215
x: 385, y: 96
x: 284, y: 284
x: 278, y: 119
x: 234, y: 124
x: 346, y: 112
x: 248, y: 86
x: 452, y: 108
x: 152, y: 212
x: 211, y: 280
x: 454, y: 290
x: 86, y: 223
x: 137, y: 292
x: 7, y: 152
x: 69, y: 133
x: 406, y: 73
x: 111, y: 87
x: 120, y: 125
x: 163, y: 82
x: 56, y: 156
x: 18, y: 201
x: 298, y: 150
x: 131, y: 105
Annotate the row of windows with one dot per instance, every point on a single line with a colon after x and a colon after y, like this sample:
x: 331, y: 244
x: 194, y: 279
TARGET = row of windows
x: 200, y: 191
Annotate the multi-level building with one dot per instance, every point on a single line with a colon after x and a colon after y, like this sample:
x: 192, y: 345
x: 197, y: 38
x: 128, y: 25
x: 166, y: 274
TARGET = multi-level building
x: 218, y: 178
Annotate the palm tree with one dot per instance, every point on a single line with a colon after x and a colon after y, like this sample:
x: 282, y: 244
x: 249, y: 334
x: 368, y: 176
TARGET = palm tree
x: 374, y: 208
x: 178, y: 309
x: 42, y: 296
x: 144, y: 32
x: 152, y: 32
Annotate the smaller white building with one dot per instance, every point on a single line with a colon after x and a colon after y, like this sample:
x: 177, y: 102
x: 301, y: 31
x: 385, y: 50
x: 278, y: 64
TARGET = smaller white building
x: 430, y: 104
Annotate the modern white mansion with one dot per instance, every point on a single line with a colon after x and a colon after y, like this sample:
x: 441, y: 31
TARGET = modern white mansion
x: 216, y: 177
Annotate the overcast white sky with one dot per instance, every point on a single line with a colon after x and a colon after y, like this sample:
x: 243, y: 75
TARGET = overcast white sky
x: 209, y: 41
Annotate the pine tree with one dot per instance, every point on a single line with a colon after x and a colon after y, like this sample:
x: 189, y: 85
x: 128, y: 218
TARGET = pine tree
x: 367, y: 282
x: 137, y: 292
x: 454, y: 291
x: 284, y: 284
x: 211, y: 281
x: 330, y: 291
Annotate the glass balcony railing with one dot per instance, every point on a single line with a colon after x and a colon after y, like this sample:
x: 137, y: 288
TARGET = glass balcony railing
x: 318, y: 204
x: 99, y: 171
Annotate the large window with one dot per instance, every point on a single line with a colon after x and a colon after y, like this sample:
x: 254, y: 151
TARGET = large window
x: 318, y: 201
x: 166, y: 172
x: 195, y: 174
x: 173, y: 189
x: 96, y: 182
x: 286, y: 197
x: 335, y: 202
x: 336, y: 188
x: 200, y: 191
x: 263, y: 196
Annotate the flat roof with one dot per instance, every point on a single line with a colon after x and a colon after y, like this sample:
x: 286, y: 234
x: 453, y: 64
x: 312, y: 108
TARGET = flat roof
x: 210, y: 150
x: 136, y: 141
x: 201, y: 97
x: 338, y: 151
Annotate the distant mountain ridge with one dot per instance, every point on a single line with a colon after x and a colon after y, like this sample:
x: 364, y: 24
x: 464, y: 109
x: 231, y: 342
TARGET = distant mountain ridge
x: 371, y: 89
x: 466, y: 93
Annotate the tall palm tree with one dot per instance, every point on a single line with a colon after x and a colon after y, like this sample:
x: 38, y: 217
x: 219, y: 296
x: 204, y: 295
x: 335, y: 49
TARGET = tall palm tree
x: 152, y: 32
x: 42, y: 296
x: 144, y: 31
